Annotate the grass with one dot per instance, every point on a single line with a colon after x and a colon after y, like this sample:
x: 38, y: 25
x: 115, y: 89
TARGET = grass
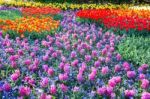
x: 10, y: 14
x: 135, y: 49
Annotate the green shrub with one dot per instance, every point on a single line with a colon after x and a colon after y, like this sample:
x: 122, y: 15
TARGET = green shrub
x: 10, y: 14
x: 135, y: 49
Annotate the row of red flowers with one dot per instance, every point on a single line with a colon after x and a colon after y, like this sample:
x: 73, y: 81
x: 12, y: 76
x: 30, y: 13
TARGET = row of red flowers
x: 123, y: 19
x: 40, y: 11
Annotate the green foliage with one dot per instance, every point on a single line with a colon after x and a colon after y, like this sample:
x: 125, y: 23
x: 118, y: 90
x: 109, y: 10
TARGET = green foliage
x: 57, y: 17
x: 10, y: 14
x: 135, y: 49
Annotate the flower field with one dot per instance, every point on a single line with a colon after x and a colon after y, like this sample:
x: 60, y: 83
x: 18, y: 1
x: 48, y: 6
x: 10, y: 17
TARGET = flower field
x: 45, y: 58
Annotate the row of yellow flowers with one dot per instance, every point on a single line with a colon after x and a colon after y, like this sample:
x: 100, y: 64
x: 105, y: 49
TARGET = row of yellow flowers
x: 63, y: 6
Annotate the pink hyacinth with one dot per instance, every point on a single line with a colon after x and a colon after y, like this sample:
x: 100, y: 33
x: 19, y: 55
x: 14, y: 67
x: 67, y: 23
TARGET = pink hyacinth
x: 145, y: 83
x: 44, y: 82
x: 14, y: 77
x: 131, y: 74
x: 73, y: 54
x: 80, y: 77
x: 67, y: 68
x: 92, y: 76
x: 129, y: 93
x: 1, y: 33
x: 24, y: 91
x: 109, y: 90
x: 94, y: 53
x: 64, y: 88
x: 143, y: 67
x: 61, y: 65
x: 50, y: 71
x: 27, y: 62
x: 104, y: 70
x: 45, y: 58
x: 61, y: 77
x: 76, y: 89
x: 126, y: 66
x: 84, y: 66
x: 145, y: 95
x: 87, y: 58
x: 97, y: 64
x: 142, y: 76
x: 74, y: 63
x: 54, y: 55
x: 13, y: 64
x: 53, y: 89
x: 117, y: 68
x: 118, y: 57
x: 45, y: 68
x: 7, y: 87
x: 112, y: 82
x: 101, y: 91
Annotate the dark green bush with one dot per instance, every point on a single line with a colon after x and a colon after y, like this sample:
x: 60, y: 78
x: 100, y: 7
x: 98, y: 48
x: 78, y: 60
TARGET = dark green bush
x: 135, y: 49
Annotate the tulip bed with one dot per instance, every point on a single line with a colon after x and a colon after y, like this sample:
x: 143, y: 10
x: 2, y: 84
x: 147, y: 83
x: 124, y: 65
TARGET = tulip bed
x: 29, y: 22
x: 80, y: 61
x: 119, y: 19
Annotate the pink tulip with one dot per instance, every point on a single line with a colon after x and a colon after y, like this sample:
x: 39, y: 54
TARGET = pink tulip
x: 24, y: 91
x: 131, y: 74
x: 53, y: 89
x: 145, y: 83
